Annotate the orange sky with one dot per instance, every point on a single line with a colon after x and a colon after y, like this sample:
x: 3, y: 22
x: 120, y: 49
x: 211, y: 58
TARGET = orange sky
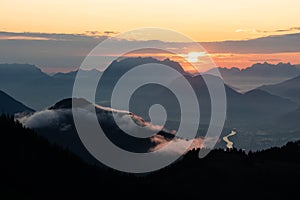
x: 246, y: 60
x: 214, y: 20
x: 203, y: 21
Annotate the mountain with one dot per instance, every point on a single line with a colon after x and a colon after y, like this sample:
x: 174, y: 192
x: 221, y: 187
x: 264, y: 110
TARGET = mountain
x: 256, y: 120
x: 36, y: 88
x: 288, y: 89
x: 30, y: 85
x: 251, y: 113
x: 288, y: 125
x: 253, y: 107
x: 258, y: 74
x: 72, y: 75
x: 57, y: 125
x: 257, y: 105
x: 290, y: 120
x: 123, y: 65
x: 39, y: 90
x: 248, y: 113
x: 32, y: 167
x: 21, y: 72
x: 9, y: 105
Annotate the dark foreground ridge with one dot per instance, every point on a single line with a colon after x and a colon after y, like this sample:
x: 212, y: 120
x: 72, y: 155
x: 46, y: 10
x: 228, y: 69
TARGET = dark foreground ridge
x: 32, y: 168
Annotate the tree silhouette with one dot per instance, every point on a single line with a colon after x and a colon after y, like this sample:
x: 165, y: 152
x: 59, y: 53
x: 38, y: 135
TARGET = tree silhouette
x: 32, y: 168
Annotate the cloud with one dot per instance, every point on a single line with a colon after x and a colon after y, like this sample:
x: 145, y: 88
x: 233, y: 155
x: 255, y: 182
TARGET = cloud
x: 47, y: 50
x: 110, y: 32
x: 295, y: 28
x: 67, y: 51
x: 176, y: 146
x: 265, y: 60
x: 44, y: 118
x: 279, y: 30
x: 255, y: 31
x: 93, y: 32
x: 246, y: 30
x: 60, y: 120
x: 87, y: 36
x: 263, y: 45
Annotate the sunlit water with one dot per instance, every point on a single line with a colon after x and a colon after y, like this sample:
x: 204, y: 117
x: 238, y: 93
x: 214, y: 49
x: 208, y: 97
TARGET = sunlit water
x: 229, y: 144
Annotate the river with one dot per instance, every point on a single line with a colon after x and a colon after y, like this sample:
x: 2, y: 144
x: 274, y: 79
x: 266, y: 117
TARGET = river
x: 229, y: 144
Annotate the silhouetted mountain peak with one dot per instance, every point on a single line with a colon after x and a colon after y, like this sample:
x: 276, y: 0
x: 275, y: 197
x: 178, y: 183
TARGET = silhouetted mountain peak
x: 72, y: 74
x: 259, y: 74
x: 256, y: 92
x: 287, y: 89
x: 131, y: 62
x: 284, y: 67
x: 11, y: 106
x: 67, y: 103
x: 21, y: 70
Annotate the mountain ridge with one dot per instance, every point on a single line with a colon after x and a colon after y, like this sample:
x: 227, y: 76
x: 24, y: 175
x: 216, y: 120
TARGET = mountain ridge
x: 38, y: 90
x: 32, y: 167
x: 11, y: 106
x: 288, y: 89
x: 258, y: 74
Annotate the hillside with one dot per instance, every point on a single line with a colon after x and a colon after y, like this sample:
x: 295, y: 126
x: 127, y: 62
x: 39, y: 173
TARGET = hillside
x: 32, y: 167
x: 258, y: 74
x: 9, y: 105
x: 289, y: 89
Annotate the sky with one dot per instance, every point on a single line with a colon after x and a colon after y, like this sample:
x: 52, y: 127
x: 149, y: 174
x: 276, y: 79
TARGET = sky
x: 209, y: 22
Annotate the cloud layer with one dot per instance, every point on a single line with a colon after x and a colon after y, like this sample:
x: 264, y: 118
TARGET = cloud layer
x: 60, y: 120
x: 66, y: 51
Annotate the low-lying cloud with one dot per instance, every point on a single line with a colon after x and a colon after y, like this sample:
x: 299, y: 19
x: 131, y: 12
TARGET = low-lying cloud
x: 60, y: 120
x: 178, y: 145
x: 41, y: 119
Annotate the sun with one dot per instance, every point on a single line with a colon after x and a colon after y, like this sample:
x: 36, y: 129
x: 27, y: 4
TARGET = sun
x: 193, y: 57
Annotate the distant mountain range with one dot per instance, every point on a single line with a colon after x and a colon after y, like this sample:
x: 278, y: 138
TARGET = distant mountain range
x: 258, y: 74
x: 289, y: 89
x: 250, y: 113
x: 9, y: 105
x: 253, y: 113
x: 38, y: 90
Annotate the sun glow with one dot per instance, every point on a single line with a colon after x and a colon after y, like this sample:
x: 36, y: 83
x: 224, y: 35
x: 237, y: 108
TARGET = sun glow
x: 193, y: 57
